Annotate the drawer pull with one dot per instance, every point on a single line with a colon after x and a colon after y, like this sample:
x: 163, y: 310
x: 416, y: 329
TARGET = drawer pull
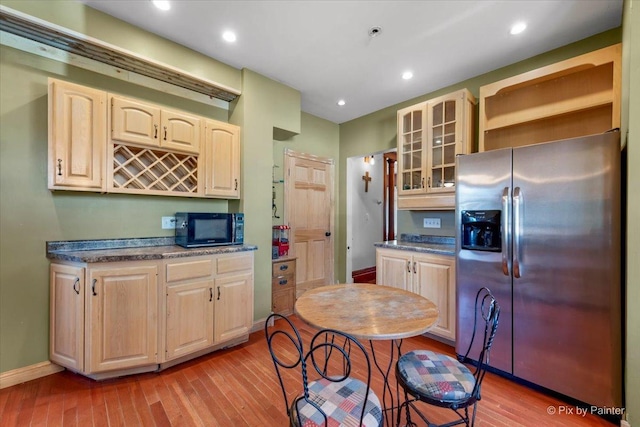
x: 284, y: 267
x: 93, y: 287
x: 210, y: 294
x: 77, y: 282
x: 283, y: 281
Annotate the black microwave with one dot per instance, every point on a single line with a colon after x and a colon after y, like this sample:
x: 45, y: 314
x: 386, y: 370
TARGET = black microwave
x: 194, y: 229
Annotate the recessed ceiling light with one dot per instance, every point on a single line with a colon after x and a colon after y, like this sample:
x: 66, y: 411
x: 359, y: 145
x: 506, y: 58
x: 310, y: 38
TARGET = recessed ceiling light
x: 162, y: 4
x: 518, y: 27
x: 341, y: 102
x: 375, y: 31
x: 407, y: 75
x: 229, y: 36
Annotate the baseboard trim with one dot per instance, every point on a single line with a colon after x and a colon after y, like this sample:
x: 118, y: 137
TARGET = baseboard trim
x: 28, y: 373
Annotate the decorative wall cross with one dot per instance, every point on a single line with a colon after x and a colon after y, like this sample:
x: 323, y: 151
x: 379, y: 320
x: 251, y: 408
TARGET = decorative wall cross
x: 366, y: 178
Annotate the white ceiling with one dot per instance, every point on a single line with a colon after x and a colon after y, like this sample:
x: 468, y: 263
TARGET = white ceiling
x: 323, y: 49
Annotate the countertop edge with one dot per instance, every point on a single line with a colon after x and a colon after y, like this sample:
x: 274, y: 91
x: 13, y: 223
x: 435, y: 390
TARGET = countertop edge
x: 428, y: 248
x: 142, y: 253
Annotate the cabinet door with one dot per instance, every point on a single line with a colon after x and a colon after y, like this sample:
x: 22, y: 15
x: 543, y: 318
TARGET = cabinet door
x: 180, y: 131
x: 435, y: 280
x: 222, y: 160
x: 122, y: 317
x: 234, y: 306
x: 189, y: 318
x: 77, y: 137
x: 444, y: 141
x: 393, y: 268
x: 412, y: 122
x: 66, y: 339
x: 135, y: 122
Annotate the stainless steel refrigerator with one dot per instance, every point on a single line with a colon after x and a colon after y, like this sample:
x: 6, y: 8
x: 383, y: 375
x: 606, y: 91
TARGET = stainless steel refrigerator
x: 540, y: 225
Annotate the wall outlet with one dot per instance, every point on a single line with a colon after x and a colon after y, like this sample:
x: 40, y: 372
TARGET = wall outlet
x: 168, y: 222
x: 431, y: 222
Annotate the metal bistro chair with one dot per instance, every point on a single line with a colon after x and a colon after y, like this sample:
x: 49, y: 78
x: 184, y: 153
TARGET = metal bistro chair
x: 441, y: 380
x: 330, y: 395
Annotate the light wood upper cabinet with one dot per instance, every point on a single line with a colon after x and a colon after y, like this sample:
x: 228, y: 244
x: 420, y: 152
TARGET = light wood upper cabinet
x: 105, y: 142
x: 181, y: 131
x: 576, y: 97
x: 121, y: 329
x: 66, y: 314
x: 430, y: 135
x: 146, y: 124
x: 221, y: 160
x: 77, y: 137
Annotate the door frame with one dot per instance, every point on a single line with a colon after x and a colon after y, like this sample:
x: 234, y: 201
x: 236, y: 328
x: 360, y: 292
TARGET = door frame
x: 289, y: 153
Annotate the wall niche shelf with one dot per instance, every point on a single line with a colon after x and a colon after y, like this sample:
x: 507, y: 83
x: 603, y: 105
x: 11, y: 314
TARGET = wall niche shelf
x: 572, y: 98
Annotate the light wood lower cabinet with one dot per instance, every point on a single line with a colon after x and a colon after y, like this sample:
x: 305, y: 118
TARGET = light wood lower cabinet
x: 104, y: 317
x: 283, y: 286
x: 189, y: 306
x: 112, y: 319
x: 122, y: 327
x: 66, y: 316
x: 429, y: 275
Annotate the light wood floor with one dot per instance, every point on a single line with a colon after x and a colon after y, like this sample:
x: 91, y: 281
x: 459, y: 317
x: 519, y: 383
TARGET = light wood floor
x: 233, y: 388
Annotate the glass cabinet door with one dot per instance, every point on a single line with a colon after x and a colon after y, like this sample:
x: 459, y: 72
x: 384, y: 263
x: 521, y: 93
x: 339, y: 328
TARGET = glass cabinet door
x: 412, y: 149
x: 444, y: 125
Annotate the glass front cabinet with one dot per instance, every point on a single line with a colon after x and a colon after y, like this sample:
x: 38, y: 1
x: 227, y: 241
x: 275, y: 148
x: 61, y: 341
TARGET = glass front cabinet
x: 430, y: 135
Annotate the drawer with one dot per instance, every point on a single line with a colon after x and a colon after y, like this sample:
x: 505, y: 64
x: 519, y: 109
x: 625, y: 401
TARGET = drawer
x: 189, y: 269
x: 284, y: 267
x: 285, y: 281
x: 230, y: 264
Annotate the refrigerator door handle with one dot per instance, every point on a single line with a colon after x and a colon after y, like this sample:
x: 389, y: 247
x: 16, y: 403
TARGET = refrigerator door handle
x: 517, y: 230
x: 506, y: 229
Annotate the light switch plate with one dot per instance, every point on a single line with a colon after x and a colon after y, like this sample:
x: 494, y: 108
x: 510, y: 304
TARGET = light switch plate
x: 168, y: 222
x: 431, y: 222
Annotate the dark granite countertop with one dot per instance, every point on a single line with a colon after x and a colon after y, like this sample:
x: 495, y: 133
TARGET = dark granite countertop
x: 149, y: 248
x: 421, y: 243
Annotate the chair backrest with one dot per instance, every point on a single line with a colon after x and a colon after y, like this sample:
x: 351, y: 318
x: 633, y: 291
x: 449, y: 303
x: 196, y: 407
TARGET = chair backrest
x: 488, y: 310
x: 333, y: 357
x: 285, y: 347
x: 336, y: 356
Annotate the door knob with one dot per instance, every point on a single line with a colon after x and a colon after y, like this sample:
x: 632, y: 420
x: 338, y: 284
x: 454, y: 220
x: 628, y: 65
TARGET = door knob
x: 328, y: 233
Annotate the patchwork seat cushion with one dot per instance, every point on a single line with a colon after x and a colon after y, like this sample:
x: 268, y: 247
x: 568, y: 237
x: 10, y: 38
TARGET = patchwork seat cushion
x: 436, y: 376
x: 341, y: 402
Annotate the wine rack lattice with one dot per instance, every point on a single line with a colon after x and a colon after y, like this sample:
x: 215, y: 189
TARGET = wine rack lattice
x: 145, y: 169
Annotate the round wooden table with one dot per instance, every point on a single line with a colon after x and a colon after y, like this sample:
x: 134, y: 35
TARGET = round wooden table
x: 370, y: 312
